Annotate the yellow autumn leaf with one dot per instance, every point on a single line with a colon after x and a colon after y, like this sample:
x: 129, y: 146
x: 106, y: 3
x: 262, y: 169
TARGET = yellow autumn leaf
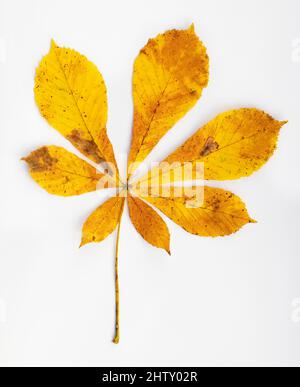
x: 233, y: 145
x: 169, y: 75
x: 71, y: 95
x: 60, y: 172
x: 148, y: 223
x: 103, y: 221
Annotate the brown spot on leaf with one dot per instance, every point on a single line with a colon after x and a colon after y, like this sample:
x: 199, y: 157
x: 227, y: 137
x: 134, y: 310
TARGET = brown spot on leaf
x: 210, y: 146
x: 87, y: 147
x: 40, y: 160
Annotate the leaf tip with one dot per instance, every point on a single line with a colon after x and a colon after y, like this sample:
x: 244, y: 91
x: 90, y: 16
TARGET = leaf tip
x: 83, y: 243
x: 282, y: 123
x: 192, y: 28
x: 53, y: 44
x: 26, y: 159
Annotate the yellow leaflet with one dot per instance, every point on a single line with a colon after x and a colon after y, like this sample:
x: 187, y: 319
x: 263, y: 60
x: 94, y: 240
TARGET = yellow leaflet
x: 102, y: 221
x: 233, y: 145
x: 60, y: 172
x: 149, y: 224
x: 71, y: 95
x: 170, y: 73
x: 221, y: 212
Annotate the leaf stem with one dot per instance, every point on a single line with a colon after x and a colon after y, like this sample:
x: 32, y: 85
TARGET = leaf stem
x: 117, y: 289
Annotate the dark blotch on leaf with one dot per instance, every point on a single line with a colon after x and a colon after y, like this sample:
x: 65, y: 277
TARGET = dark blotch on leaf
x: 40, y: 160
x: 87, y: 147
x: 210, y: 146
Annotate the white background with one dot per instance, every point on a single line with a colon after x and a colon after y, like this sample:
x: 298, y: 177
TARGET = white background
x: 226, y: 301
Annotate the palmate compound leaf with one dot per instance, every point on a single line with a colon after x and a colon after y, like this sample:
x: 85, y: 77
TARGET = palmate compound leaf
x: 71, y: 95
x: 169, y: 75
